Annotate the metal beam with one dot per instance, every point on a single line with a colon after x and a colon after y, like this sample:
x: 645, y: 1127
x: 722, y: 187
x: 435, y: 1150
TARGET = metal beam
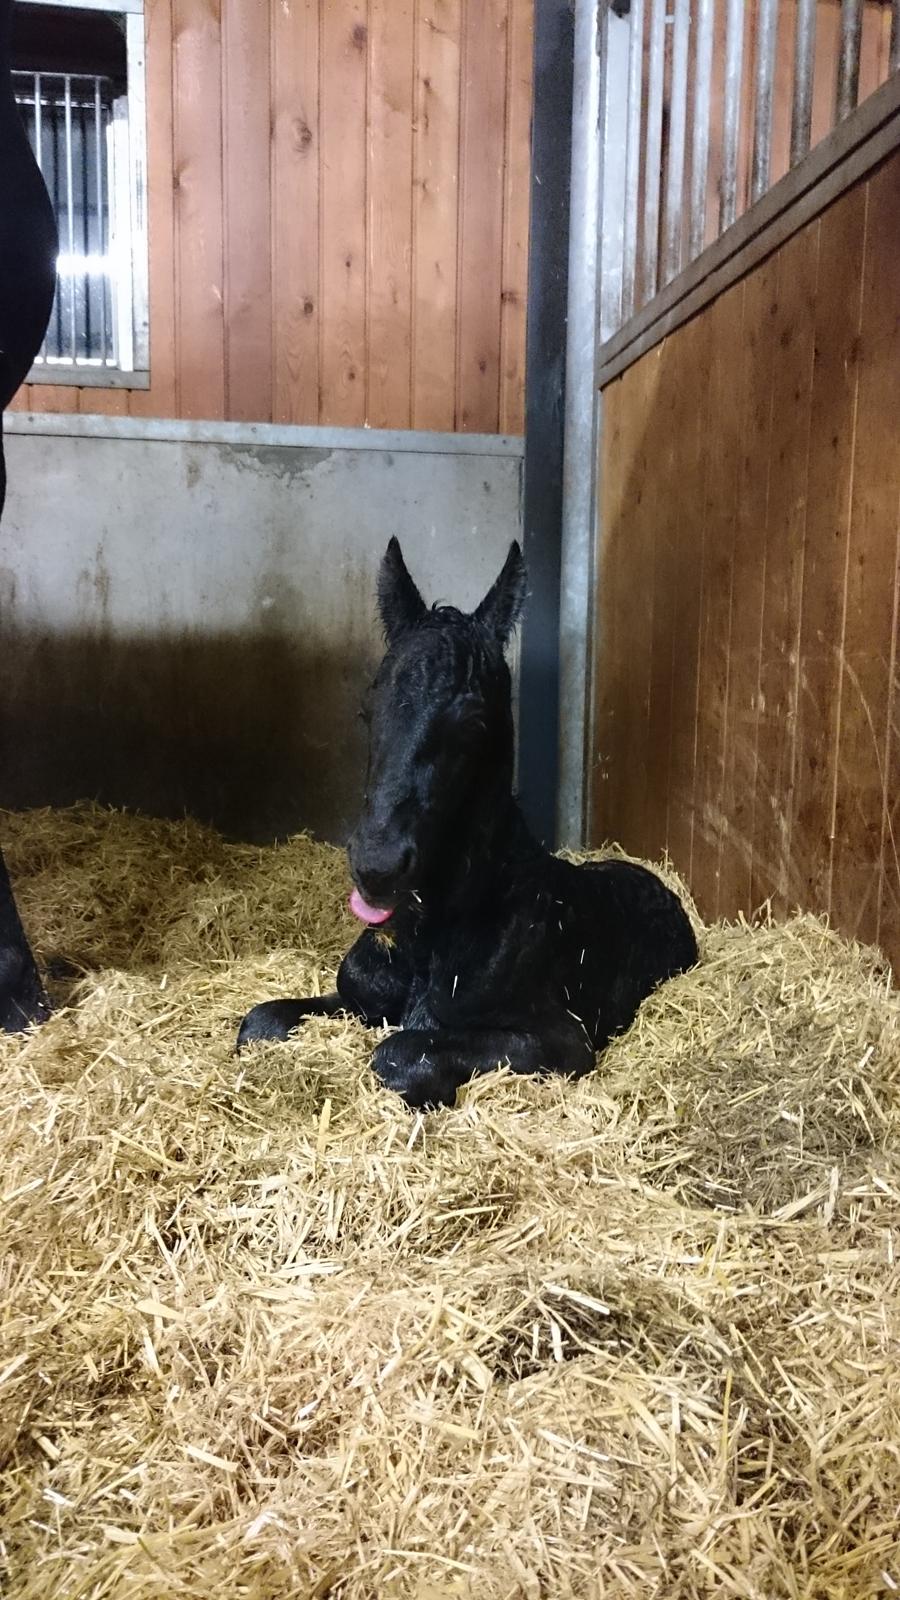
x: 545, y: 391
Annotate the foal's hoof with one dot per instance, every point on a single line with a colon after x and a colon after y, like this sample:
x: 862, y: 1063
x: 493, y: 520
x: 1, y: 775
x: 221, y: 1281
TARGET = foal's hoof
x: 22, y: 997
x: 274, y: 1019
x: 403, y: 1064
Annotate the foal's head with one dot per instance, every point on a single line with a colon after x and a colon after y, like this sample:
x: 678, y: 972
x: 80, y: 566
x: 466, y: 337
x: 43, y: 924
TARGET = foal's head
x: 441, y: 735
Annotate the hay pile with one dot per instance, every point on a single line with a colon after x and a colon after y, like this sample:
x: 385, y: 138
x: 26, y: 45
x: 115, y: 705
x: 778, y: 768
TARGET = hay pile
x: 265, y: 1334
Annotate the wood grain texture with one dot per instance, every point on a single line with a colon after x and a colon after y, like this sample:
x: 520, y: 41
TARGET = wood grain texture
x: 199, y: 263
x: 342, y: 247
x: 390, y: 193
x: 719, y: 513
x: 790, y: 380
x: 868, y: 645
x: 436, y: 213
x: 295, y: 211
x: 482, y: 121
x: 159, y: 400
x: 517, y: 179
x: 288, y: 137
x: 786, y: 566
x: 247, y: 210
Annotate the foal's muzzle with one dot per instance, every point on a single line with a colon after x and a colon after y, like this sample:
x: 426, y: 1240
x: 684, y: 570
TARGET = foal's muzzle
x: 383, y: 870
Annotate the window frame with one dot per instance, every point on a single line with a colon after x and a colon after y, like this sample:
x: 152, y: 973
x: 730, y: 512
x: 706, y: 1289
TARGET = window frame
x: 132, y: 237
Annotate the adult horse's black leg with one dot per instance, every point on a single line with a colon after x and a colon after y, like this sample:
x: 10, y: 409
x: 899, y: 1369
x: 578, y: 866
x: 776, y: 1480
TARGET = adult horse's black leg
x: 28, y: 247
x: 426, y: 1067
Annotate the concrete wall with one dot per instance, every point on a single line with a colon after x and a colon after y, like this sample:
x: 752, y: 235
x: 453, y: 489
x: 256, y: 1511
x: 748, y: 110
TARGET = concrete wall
x: 187, y: 617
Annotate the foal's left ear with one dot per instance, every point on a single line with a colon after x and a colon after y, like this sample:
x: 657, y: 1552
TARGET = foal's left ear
x: 502, y: 606
x: 399, y: 602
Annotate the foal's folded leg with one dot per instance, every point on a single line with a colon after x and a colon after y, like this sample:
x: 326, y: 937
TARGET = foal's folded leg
x: 426, y: 1067
x: 275, y: 1019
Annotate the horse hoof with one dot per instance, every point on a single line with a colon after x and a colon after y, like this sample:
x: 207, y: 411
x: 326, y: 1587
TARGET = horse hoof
x: 273, y: 1019
x: 402, y: 1065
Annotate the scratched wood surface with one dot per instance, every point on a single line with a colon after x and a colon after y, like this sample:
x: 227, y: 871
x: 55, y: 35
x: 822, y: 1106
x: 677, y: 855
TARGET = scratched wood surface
x: 759, y: 556
x: 338, y: 214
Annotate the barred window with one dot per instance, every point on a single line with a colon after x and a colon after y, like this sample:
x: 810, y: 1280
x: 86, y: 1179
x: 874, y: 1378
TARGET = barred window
x: 78, y: 80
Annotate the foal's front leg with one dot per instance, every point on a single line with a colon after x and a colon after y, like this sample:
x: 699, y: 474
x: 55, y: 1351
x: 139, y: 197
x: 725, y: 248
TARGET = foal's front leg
x: 372, y: 983
x: 427, y: 1066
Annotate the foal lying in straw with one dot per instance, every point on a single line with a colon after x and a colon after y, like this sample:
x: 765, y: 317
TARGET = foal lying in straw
x: 480, y: 946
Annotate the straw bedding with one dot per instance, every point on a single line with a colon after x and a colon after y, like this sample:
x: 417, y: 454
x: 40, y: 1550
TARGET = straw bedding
x: 265, y: 1334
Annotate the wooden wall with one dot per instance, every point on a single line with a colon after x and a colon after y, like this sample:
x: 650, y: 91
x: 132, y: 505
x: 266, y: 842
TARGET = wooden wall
x: 338, y: 214
x: 747, y: 698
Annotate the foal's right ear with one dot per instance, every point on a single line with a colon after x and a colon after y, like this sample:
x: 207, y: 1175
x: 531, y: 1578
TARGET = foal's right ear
x: 399, y: 602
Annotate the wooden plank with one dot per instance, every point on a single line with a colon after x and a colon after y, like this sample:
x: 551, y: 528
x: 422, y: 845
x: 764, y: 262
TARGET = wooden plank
x: 868, y: 643
x: 625, y: 609
x: 96, y: 402
x: 718, y: 513
x: 390, y: 156
x: 159, y: 399
x: 828, y: 44
x: 246, y: 118
x: 483, y: 117
x: 517, y: 178
x: 664, y: 424
x: 691, y: 423
x: 343, y: 352
x: 833, y: 404
x: 435, y: 208
x: 296, y: 309
x: 792, y: 375
x: 50, y: 397
x: 756, y: 361
x: 199, y: 267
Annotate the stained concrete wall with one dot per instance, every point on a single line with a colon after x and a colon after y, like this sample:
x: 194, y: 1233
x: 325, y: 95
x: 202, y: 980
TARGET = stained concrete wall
x: 187, y: 617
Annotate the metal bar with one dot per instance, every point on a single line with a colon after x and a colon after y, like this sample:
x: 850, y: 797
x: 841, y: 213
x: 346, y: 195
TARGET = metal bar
x: 653, y: 150
x: 632, y: 154
x: 894, y: 60
x: 85, y: 229
x: 545, y: 357
x: 780, y: 214
x: 766, y: 33
x: 70, y: 213
x: 848, y: 60
x: 135, y: 6
x: 700, y: 130
x: 578, y: 464
x: 674, y: 225
x: 615, y: 33
x: 99, y: 141
x: 804, y: 68
x: 874, y: 127
x: 731, y: 116
x: 38, y: 123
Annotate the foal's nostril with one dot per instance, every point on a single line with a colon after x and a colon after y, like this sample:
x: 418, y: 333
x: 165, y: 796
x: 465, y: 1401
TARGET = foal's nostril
x: 407, y: 862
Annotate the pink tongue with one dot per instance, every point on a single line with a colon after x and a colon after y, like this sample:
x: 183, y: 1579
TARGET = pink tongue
x: 367, y: 913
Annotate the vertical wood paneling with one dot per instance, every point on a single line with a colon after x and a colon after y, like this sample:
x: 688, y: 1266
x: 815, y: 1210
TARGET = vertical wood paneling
x: 159, y: 399
x: 199, y: 265
x: 295, y: 211
x: 389, y: 187
x: 482, y: 121
x: 787, y: 568
x: 691, y: 422
x: 790, y: 378
x: 868, y: 642
x: 832, y: 422
x: 316, y: 252
x: 756, y: 361
x: 718, y: 511
x: 247, y: 210
x: 517, y: 180
x: 624, y: 627
x: 435, y: 213
x: 342, y: 178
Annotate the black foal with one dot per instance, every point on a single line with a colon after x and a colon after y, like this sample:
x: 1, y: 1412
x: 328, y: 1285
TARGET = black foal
x: 481, y: 947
